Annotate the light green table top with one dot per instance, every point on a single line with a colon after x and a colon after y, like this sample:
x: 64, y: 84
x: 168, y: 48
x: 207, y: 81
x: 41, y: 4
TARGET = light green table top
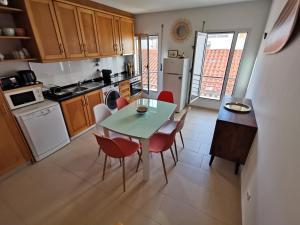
x: 128, y: 122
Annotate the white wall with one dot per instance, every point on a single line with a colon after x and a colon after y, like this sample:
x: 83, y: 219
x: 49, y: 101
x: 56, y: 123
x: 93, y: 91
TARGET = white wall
x: 69, y: 72
x: 251, y: 16
x: 272, y: 170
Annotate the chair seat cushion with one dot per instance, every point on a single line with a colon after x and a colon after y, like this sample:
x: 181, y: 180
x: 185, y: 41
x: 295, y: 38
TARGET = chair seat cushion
x: 168, y: 127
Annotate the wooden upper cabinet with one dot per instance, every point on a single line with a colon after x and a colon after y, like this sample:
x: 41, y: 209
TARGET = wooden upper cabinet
x: 92, y: 99
x: 118, y: 35
x: 44, y: 25
x: 105, y: 28
x: 88, y: 32
x: 13, y: 148
x: 75, y: 114
x: 67, y: 18
x: 127, y: 34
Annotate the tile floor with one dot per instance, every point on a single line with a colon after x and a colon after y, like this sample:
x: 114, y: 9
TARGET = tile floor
x: 66, y: 188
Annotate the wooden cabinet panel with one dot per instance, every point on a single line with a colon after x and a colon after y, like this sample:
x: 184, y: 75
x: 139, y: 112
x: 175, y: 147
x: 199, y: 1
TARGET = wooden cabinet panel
x: 124, y: 89
x: 105, y: 29
x: 13, y: 149
x: 67, y: 18
x: 127, y: 34
x: 234, y: 133
x: 43, y: 21
x: 93, y: 98
x: 117, y: 35
x: 88, y: 32
x: 75, y: 115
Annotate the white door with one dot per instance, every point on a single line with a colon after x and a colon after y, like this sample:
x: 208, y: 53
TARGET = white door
x: 198, y: 59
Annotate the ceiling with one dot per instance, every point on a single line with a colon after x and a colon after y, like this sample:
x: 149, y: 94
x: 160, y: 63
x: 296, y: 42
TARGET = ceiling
x: 147, y: 6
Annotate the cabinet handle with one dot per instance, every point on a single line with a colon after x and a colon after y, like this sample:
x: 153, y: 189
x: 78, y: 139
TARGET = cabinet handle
x: 82, y: 48
x: 85, y: 48
x: 61, y: 48
x: 86, y: 101
x: 83, y: 102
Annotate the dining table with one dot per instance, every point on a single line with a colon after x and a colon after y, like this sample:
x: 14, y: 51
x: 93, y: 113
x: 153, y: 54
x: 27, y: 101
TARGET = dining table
x: 127, y: 121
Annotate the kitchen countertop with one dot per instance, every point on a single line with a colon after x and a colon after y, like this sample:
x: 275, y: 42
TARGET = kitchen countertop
x: 114, y: 80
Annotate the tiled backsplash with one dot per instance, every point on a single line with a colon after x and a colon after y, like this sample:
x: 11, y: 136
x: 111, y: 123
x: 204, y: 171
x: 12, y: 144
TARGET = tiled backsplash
x: 68, y: 72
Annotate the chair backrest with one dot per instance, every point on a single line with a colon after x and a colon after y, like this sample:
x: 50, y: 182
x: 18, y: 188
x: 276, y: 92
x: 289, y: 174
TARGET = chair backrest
x: 101, y: 112
x: 108, y: 146
x: 122, y: 102
x: 166, y: 96
x: 181, y: 121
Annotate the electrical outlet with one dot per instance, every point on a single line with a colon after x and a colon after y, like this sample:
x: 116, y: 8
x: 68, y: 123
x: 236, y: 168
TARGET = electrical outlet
x: 248, y: 196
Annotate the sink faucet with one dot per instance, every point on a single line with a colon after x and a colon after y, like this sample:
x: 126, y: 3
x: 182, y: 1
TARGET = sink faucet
x: 79, y: 83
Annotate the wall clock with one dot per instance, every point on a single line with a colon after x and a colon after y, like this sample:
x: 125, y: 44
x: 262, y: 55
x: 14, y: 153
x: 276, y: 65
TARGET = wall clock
x: 181, y: 30
x: 283, y: 27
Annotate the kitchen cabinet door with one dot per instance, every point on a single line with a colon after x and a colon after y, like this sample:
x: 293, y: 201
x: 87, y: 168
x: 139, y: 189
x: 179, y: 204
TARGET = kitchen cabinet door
x: 13, y: 148
x: 105, y: 30
x: 118, y: 35
x: 44, y: 25
x: 124, y: 88
x: 75, y: 114
x: 127, y: 34
x: 88, y: 31
x: 70, y: 30
x: 92, y: 99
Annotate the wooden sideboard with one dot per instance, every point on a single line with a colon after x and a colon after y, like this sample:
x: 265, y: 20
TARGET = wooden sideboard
x: 234, y: 133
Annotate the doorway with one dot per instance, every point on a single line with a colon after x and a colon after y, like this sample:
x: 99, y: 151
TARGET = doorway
x: 147, y: 61
x: 217, y: 57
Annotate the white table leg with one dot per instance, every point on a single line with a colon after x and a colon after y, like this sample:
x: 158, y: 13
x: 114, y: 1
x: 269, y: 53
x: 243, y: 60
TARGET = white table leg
x: 109, y: 160
x: 106, y: 132
x: 145, y: 156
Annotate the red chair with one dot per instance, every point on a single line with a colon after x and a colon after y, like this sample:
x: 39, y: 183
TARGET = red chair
x: 118, y: 148
x: 161, y: 142
x: 122, y: 102
x: 166, y: 96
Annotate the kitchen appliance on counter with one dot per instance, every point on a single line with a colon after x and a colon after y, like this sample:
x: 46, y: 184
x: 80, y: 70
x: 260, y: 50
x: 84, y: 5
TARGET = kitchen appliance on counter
x: 135, y: 85
x: 175, y: 79
x: 24, y: 96
x: 111, y: 94
x: 44, y: 128
x: 26, y: 77
x: 106, y: 76
x: 10, y: 82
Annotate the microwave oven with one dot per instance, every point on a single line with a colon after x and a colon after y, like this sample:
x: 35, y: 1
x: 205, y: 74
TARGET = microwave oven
x: 24, y: 96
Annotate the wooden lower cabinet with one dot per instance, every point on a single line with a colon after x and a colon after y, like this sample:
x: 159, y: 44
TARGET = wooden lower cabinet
x: 13, y: 147
x: 92, y: 99
x: 124, y: 89
x: 78, y: 111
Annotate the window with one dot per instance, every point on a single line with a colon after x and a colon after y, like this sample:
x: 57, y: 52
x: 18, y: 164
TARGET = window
x: 216, y: 68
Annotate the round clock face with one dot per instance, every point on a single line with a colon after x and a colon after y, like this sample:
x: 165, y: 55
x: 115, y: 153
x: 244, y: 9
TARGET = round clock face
x: 181, y: 30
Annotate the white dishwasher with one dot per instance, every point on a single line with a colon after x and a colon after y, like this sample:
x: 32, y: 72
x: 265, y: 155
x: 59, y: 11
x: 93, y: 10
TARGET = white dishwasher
x: 44, y: 128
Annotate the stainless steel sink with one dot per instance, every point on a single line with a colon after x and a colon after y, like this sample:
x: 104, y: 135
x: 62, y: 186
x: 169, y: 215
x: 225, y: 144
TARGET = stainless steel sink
x: 77, y: 89
x: 91, y: 85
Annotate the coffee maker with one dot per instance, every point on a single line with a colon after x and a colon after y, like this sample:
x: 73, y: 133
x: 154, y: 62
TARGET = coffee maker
x: 106, y: 76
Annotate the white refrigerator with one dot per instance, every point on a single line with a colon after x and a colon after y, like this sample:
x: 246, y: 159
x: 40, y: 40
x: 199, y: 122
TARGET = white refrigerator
x: 176, y: 79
